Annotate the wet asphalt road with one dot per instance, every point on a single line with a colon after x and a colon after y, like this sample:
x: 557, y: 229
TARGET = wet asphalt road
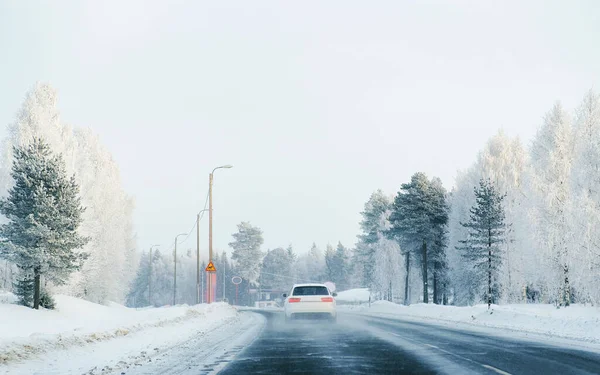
x: 372, y: 345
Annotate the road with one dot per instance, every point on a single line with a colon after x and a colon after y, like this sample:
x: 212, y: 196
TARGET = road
x: 374, y: 345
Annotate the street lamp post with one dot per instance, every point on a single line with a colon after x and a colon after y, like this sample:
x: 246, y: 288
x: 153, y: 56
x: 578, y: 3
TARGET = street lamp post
x: 150, y: 276
x: 175, y: 268
x: 210, y: 215
x: 198, y: 278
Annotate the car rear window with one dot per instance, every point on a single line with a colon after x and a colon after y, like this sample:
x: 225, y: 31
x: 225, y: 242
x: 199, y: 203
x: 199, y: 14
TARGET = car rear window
x: 310, y: 291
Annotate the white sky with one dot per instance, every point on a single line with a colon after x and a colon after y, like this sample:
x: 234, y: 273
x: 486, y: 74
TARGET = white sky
x: 316, y: 104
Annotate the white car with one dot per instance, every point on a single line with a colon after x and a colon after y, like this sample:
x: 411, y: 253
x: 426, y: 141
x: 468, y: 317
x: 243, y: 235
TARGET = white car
x: 310, y: 301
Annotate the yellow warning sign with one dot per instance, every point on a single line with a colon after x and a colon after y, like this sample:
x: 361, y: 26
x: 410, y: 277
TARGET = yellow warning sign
x: 211, y: 267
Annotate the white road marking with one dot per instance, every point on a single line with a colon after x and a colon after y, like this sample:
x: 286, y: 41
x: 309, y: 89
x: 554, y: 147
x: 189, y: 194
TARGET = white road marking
x: 470, y: 360
x: 496, y: 370
x: 491, y: 368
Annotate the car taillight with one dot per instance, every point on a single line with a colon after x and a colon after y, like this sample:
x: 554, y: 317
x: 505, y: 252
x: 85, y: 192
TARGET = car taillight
x: 292, y: 300
x: 327, y: 299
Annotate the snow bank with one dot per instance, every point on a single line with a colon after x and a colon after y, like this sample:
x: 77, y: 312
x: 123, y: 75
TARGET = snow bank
x: 354, y: 295
x: 575, y: 322
x: 25, y: 332
x: 7, y: 297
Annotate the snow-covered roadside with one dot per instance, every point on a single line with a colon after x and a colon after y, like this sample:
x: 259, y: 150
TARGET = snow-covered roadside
x: 6, y: 297
x: 576, y: 322
x: 48, y: 340
x: 203, y: 345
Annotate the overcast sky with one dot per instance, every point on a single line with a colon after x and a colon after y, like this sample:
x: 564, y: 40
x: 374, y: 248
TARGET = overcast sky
x: 316, y: 104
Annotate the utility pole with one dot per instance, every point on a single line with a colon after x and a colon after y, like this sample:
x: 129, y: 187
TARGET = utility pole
x: 175, y: 269
x: 210, y: 215
x: 198, y: 258
x: 223, y: 280
x: 199, y: 279
x: 210, y: 254
x: 211, y: 296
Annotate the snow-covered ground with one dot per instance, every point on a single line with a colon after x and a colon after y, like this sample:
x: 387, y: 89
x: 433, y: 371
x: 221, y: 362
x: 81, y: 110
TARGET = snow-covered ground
x: 576, y: 322
x: 82, y: 337
x: 354, y: 295
x: 6, y: 297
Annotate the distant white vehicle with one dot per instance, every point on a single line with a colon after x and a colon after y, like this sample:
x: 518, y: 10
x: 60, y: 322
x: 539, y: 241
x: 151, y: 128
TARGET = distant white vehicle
x: 310, y: 301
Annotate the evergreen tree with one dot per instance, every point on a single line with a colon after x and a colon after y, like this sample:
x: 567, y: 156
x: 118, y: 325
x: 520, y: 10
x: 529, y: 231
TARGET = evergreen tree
x: 23, y: 288
x: 342, y: 267
x: 418, y: 221
x: 337, y: 265
x: 162, y: 279
x: 292, y: 258
x: 486, y: 232
x: 310, y: 267
x: 375, y: 209
x: 276, y: 270
x: 246, y: 251
x: 44, y: 213
x: 228, y: 273
x: 108, y: 218
x: 439, y: 221
x: 139, y: 294
x: 330, y: 267
x: 504, y: 161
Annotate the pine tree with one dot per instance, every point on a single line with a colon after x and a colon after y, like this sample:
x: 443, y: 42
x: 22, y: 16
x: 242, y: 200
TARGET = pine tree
x: 486, y: 232
x: 439, y: 222
x: 337, y: 266
x: 107, y: 220
x: 418, y: 221
x: 504, y: 161
x: 330, y: 266
x: 342, y: 267
x: 310, y: 267
x: 44, y: 213
x: 276, y: 270
x: 139, y: 294
x: 23, y: 288
x: 375, y: 208
x: 246, y: 251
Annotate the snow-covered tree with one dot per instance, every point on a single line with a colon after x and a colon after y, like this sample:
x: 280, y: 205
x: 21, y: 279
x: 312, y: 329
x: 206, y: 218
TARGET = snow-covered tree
x: 439, y: 226
x: 310, y: 267
x: 107, y: 220
x: 585, y: 190
x: 337, y: 265
x: 377, y: 206
x: 486, y: 232
x: 503, y: 161
x: 276, y: 270
x: 246, y: 251
x: 418, y: 221
x: 139, y: 294
x: 388, y: 268
x: 552, y: 158
x: 44, y: 211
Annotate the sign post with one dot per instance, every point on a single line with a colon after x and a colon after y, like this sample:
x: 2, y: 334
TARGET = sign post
x: 237, y: 281
x: 211, y: 273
